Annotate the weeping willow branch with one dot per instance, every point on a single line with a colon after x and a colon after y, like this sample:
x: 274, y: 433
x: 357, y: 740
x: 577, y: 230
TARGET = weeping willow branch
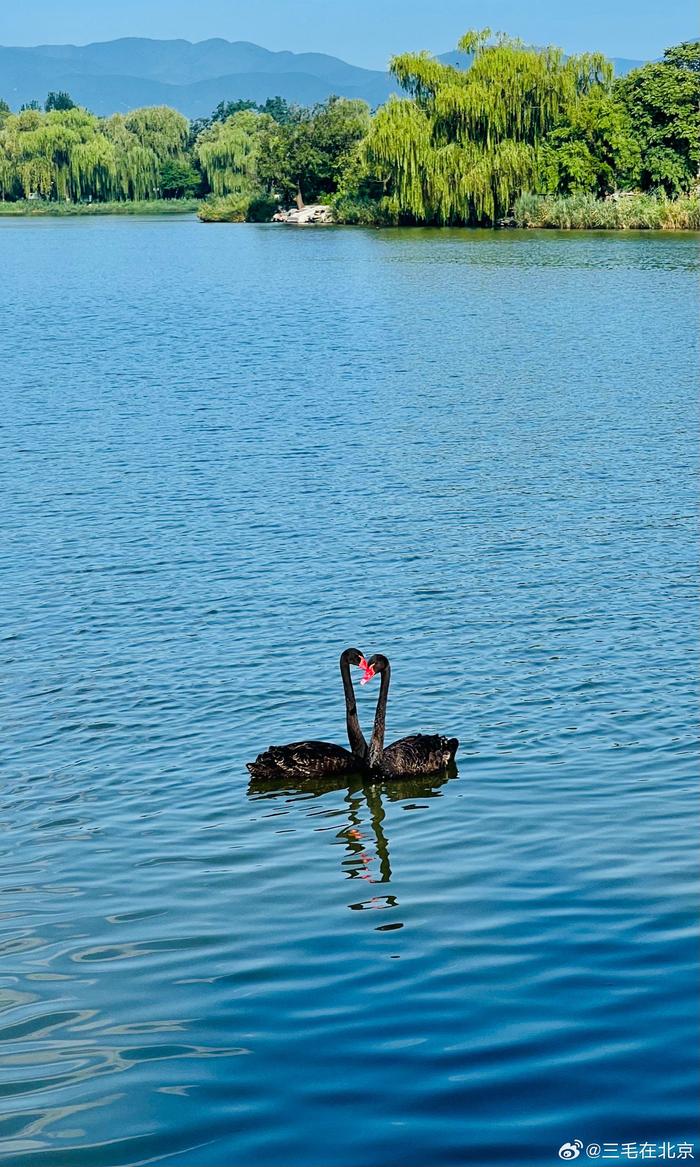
x: 229, y: 152
x: 71, y: 155
x: 464, y: 145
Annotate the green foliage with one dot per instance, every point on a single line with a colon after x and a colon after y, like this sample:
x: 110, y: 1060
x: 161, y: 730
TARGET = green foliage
x: 136, y: 166
x: 634, y: 211
x: 277, y: 107
x: 337, y: 127
x: 231, y: 208
x: 261, y: 208
x: 238, y: 208
x: 160, y: 129
x: 229, y: 153
x: 663, y: 100
x: 305, y: 157
x: 684, y: 56
x: 178, y: 179
x: 361, y: 195
x: 594, y: 148
x: 288, y: 158
x: 58, y: 100
x: 465, y: 143
x: 71, y: 155
x: 226, y: 109
x: 361, y: 211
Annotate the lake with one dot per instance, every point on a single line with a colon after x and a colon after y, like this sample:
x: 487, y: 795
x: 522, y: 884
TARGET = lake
x: 228, y: 453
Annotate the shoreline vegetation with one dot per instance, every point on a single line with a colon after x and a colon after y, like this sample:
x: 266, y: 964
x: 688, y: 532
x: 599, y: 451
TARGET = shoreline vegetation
x: 631, y: 212
x: 638, y: 212
x: 520, y: 137
x: 38, y: 208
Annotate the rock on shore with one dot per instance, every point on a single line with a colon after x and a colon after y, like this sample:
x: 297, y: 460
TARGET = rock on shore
x: 313, y: 215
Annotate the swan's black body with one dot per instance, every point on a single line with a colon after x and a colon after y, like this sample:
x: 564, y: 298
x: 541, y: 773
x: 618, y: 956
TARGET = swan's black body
x: 318, y: 759
x: 421, y: 753
x: 307, y: 759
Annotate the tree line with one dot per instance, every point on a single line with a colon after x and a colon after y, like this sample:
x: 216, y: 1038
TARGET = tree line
x: 460, y: 147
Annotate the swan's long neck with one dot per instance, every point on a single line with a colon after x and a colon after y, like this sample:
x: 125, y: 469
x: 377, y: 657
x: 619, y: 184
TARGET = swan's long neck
x: 376, y: 745
x: 356, y: 738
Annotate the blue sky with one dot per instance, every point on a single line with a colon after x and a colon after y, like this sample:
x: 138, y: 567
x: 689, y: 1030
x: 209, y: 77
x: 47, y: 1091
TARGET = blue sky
x: 365, y: 32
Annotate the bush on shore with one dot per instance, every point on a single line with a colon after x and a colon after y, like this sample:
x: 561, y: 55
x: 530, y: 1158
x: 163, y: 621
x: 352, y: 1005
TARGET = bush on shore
x: 238, y: 208
x: 364, y: 212
x: 628, y: 212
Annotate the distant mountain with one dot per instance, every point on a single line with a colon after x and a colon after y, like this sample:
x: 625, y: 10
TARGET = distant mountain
x: 118, y: 75
x: 112, y: 76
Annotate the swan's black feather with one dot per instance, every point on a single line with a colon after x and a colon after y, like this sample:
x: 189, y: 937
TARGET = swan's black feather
x: 309, y: 759
x: 421, y: 753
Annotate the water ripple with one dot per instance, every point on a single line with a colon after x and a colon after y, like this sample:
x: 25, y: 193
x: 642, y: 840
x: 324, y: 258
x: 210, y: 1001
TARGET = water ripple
x: 461, y: 448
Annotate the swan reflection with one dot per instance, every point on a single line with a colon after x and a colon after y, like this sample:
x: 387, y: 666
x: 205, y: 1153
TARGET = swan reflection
x: 363, y: 838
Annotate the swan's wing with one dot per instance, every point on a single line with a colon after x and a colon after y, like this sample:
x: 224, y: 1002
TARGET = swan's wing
x: 309, y: 759
x: 421, y: 753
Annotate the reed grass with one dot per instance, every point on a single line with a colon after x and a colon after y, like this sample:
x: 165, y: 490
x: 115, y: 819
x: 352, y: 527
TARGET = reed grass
x: 628, y: 212
x: 237, y: 208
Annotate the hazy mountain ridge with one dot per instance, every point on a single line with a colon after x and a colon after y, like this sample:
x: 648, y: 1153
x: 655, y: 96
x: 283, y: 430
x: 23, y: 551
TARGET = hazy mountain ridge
x: 111, y: 76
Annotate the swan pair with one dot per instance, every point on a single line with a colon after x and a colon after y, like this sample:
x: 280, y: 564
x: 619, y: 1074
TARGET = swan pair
x: 418, y: 754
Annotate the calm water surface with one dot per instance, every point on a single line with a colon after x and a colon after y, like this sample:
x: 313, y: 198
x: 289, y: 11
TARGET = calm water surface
x: 229, y: 452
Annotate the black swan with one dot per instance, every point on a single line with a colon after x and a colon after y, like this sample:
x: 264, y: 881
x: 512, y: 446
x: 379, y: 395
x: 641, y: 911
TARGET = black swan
x: 421, y: 753
x: 318, y: 759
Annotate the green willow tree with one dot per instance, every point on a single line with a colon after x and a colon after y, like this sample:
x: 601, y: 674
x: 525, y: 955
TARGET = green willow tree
x: 71, y: 155
x: 136, y: 166
x: 229, y: 153
x: 160, y: 129
x: 465, y: 143
x: 278, y: 109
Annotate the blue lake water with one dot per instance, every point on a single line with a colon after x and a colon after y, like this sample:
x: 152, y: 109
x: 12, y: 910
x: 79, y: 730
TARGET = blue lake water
x: 227, y: 453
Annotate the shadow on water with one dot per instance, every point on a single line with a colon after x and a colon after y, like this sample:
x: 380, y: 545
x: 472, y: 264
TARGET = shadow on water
x: 364, y: 839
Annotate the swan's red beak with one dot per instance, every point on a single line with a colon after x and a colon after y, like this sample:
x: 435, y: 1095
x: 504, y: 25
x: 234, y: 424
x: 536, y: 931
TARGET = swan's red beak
x: 368, y: 671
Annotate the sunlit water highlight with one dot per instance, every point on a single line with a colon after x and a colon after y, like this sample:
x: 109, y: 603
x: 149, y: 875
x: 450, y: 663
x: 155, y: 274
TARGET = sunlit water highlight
x: 229, y: 452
